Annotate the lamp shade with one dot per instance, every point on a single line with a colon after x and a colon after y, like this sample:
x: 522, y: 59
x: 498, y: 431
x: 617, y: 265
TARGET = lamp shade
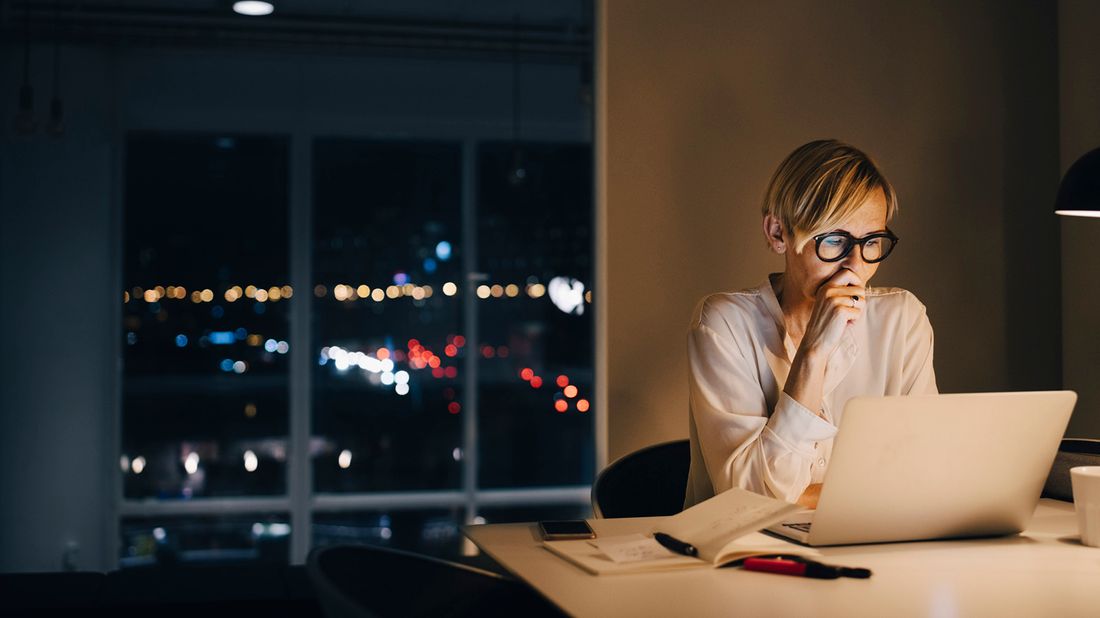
x: 1079, y: 193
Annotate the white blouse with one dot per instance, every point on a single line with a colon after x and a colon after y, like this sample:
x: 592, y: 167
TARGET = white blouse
x: 745, y: 431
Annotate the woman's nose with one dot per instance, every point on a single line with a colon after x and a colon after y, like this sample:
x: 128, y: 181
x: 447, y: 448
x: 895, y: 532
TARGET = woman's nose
x: 854, y: 262
x: 854, y: 259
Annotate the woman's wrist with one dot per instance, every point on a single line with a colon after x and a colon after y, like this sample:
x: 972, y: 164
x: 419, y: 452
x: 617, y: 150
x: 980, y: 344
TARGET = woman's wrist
x: 809, y: 357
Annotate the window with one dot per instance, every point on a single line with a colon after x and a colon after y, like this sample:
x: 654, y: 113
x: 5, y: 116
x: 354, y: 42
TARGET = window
x: 205, y: 539
x: 205, y: 317
x: 447, y: 300
x: 535, y: 324
x: 388, y: 381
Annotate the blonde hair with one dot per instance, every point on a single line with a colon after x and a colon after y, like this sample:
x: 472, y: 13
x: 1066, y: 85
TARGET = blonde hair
x: 821, y: 184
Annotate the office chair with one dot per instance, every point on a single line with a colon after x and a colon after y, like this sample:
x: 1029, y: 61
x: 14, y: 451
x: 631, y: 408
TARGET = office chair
x: 1072, y: 452
x: 650, y: 481
x: 364, y: 581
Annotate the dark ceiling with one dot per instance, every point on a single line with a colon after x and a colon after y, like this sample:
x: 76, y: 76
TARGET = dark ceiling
x: 539, y: 31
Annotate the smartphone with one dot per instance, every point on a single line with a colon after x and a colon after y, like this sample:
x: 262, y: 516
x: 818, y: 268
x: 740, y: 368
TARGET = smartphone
x: 566, y: 529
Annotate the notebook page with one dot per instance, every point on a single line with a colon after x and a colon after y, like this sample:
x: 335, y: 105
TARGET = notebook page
x: 712, y: 524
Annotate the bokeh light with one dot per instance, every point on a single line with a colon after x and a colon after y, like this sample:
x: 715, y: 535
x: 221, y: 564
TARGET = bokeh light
x: 251, y: 462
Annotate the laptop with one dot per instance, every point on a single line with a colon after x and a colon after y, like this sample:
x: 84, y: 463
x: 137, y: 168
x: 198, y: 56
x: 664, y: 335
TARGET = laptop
x: 908, y: 468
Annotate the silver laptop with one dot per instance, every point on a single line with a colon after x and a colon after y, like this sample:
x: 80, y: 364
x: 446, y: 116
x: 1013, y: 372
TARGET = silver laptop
x: 934, y: 467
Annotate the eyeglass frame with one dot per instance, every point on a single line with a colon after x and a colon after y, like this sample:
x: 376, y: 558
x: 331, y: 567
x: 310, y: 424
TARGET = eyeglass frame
x: 855, y: 241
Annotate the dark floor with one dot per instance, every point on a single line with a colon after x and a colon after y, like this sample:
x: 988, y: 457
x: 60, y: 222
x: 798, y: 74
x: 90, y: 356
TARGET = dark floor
x: 192, y: 591
x: 162, y: 591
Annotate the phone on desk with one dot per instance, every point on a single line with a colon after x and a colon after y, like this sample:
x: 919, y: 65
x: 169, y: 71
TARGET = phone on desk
x: 561, y: 530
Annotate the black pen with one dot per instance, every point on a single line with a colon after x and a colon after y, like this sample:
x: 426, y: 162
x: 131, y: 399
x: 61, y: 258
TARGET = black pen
x: 675, y: 545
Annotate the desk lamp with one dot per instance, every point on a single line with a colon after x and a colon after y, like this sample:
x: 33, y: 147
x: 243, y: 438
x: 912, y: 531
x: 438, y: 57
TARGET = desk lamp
x: 1079, y: 193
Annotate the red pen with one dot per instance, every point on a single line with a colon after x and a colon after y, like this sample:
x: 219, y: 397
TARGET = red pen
x: 803, y: 568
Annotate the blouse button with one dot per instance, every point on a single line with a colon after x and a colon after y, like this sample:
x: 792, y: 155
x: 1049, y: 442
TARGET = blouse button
x: 821, y: 462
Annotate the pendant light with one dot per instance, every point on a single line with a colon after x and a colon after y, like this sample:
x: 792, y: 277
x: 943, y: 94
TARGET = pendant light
x: 1079, y: 193
x: 517, y: 171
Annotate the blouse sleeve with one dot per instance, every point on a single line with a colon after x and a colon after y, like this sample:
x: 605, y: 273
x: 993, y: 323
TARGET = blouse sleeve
x: 920, y: 377
x: 743, y: 443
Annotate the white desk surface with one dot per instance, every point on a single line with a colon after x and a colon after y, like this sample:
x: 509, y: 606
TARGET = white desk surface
x: 1044, y: 571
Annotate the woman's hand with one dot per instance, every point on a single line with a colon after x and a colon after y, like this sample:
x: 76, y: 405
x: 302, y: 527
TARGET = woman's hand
x: 809, y: 497
x: 840, y: 302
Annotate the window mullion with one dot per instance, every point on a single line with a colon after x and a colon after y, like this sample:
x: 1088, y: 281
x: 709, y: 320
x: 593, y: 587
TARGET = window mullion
x: 300, y: 479
x: 470, y: 317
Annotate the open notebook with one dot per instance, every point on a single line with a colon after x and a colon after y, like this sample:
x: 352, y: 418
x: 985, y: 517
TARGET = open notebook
x: 723, y: 529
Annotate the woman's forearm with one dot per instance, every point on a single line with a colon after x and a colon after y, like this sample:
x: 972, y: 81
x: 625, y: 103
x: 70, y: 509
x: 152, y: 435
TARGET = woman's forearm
x: 806, y: 381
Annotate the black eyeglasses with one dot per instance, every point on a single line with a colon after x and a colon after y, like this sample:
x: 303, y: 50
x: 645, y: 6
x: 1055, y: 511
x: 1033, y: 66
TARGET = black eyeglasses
x: 835, y: 246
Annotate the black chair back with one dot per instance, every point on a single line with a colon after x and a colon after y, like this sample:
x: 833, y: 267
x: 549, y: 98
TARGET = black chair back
x: 1072, y: 452
x: 645, y: 483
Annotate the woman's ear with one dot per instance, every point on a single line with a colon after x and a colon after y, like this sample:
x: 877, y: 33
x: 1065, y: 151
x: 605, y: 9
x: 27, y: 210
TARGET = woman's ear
x: 773, y: 233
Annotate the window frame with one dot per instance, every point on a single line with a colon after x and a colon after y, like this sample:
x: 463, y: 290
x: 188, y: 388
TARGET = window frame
x: 300, y: 501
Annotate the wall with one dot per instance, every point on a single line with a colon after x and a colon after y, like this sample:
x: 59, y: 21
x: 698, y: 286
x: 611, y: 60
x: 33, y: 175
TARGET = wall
x: 54, y: 441
x: 58, y: 353
x: 956, y: 100
x: 59, y: 233
x: 1078, y: 51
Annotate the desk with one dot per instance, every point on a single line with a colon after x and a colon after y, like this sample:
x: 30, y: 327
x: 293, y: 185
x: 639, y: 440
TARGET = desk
x: 1045, y: 571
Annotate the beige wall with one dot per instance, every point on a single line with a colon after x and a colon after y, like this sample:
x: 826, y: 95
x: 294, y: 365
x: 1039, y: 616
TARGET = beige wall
x: 956, y: 101
x: 1079, y: 66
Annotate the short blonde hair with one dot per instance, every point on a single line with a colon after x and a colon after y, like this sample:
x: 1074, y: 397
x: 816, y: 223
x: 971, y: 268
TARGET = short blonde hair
x: 821, y: 184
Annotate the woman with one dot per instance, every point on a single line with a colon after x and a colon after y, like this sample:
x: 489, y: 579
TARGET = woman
x: 772, y: 367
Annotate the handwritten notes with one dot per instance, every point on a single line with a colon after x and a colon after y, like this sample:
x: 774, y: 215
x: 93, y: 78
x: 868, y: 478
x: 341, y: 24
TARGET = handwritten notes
x: 633, y: 548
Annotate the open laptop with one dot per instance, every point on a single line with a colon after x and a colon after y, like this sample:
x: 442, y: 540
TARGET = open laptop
x: 934, y: 467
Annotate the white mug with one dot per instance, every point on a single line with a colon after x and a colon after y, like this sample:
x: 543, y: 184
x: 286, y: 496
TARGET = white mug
x: 1086, y: 499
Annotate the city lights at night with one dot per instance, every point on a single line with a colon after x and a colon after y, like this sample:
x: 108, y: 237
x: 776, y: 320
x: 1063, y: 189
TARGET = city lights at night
x: 570, y: 293
x: 251, y: 462
x: 405, y: 343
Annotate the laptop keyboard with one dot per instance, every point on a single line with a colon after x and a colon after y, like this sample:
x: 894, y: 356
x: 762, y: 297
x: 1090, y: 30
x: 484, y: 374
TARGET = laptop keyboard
x: 800, y: 527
